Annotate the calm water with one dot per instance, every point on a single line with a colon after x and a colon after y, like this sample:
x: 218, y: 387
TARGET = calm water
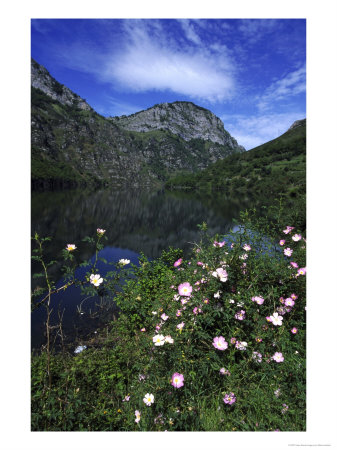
x: 135, y: 221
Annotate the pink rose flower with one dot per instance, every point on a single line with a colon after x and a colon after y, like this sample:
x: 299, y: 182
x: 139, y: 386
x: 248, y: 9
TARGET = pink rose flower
x: 219, y: 343
x: 185, y: 289
x: 178, y: 262
x: 278, y: 357
x: 177, y: 380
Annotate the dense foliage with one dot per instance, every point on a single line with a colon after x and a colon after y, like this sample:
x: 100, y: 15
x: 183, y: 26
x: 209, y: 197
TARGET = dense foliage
x: 214, y: 342
x: 274, y: 168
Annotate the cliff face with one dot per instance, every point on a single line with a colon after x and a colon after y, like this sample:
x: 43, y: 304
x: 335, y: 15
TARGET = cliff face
x: 185, y: 119
x: 72, y: 143
x: 41, y: 79
x: 298, y: 123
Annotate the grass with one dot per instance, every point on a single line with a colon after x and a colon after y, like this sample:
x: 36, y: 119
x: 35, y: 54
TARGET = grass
x: 100, y: 388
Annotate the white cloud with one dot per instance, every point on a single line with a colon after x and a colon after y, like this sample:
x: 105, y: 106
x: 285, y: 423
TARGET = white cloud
x: 145, y: 68
x: 189, y: 31
x: 253, y: 131
x: 150, y: 61
x: 147, y: 58
x: 292, y: 84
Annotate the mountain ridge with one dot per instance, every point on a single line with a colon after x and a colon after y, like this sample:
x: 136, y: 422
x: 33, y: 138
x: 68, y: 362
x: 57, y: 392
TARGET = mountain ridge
x: 202, y: 123
x: 271, y: 170
x: 70, y: 137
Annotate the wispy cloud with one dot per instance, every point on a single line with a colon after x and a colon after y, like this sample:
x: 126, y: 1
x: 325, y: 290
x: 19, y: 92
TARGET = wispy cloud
x: 152, y: 62
x: 256, y: 29
x: 41, y: 26
x: 253, y: 131
x: 148, y: 59
x: 114, y: 107
x: 189, y: 31
x: 289, y: 86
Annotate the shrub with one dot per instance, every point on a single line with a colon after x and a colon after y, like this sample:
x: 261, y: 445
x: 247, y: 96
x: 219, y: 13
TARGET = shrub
x: 213, y: 342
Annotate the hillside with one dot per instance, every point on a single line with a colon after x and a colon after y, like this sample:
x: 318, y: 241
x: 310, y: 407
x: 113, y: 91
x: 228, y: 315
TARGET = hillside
x: 184, y: 119
x: 72, y: 144
x: 275, y: 167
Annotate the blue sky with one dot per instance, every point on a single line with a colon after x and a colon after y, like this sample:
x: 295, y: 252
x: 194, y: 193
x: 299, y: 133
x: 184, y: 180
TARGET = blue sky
x: 249, y: 72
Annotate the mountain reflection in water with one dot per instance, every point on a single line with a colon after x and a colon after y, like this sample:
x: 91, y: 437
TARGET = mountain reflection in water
x: 135, y: 221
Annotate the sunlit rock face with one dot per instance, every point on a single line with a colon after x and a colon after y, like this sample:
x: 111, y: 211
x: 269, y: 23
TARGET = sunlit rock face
x: 41, y: 79
x: 71, y: 142
x: 184, y: 119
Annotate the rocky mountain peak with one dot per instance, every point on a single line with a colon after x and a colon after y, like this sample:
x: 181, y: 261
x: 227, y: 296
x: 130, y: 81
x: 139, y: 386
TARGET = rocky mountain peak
x: 41, y: 79
x: 182, y: 118
x: 297, y: 123
x: 71, y: 143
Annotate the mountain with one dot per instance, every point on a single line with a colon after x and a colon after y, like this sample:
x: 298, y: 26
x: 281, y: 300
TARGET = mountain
x: 184, y: 119
x: 276, y: 168
x: 42, y: 80
x: 72, y: 144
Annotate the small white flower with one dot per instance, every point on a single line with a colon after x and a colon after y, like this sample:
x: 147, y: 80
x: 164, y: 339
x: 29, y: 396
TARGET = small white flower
x: 241, y: 345
x: 137, y: 414
x: 124, y: 262
x: 231, y: 300
x: 96, y: 280
x: 221, y: 274
x: 217, y: 294
x: 80, y: 348
x: 169, y: 339
x: 158, y: 340
x: 276, y: 319
x: 277, y: 392
x: 148, y: 399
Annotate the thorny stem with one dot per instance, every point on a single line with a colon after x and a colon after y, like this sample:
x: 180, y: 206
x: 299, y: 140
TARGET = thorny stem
x: 48, y: 312
x: 55, y: 291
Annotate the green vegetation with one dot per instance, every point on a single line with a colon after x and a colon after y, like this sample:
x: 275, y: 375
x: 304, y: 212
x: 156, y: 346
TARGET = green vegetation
x: 218, y: 340
x: 272, y: 170
x: 46, y: 172
x: 80, y: 142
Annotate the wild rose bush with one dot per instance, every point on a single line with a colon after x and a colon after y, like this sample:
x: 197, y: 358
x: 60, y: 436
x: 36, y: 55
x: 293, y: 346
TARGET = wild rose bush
x: 215, y: 342
x: 230, y: 321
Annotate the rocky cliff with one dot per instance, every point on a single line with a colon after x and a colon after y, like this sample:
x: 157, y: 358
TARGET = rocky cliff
x: 185, y: 119
x: 71, y: 143
x: 41, y: 79
x: 298, y: 123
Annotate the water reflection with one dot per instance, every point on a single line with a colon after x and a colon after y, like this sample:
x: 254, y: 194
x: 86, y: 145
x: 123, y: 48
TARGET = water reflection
x: 136, y: 221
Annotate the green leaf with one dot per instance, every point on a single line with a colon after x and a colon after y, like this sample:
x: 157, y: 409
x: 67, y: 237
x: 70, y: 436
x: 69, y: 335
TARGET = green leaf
x: 38, y: 275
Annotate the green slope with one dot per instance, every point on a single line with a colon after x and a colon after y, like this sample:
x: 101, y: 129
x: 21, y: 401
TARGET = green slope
x: 275, y: 168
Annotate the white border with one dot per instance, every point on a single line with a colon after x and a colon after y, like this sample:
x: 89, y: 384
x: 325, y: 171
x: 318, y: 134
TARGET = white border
x: 15, y: 182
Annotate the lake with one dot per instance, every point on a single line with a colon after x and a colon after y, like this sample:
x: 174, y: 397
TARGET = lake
x: 135, y: 221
